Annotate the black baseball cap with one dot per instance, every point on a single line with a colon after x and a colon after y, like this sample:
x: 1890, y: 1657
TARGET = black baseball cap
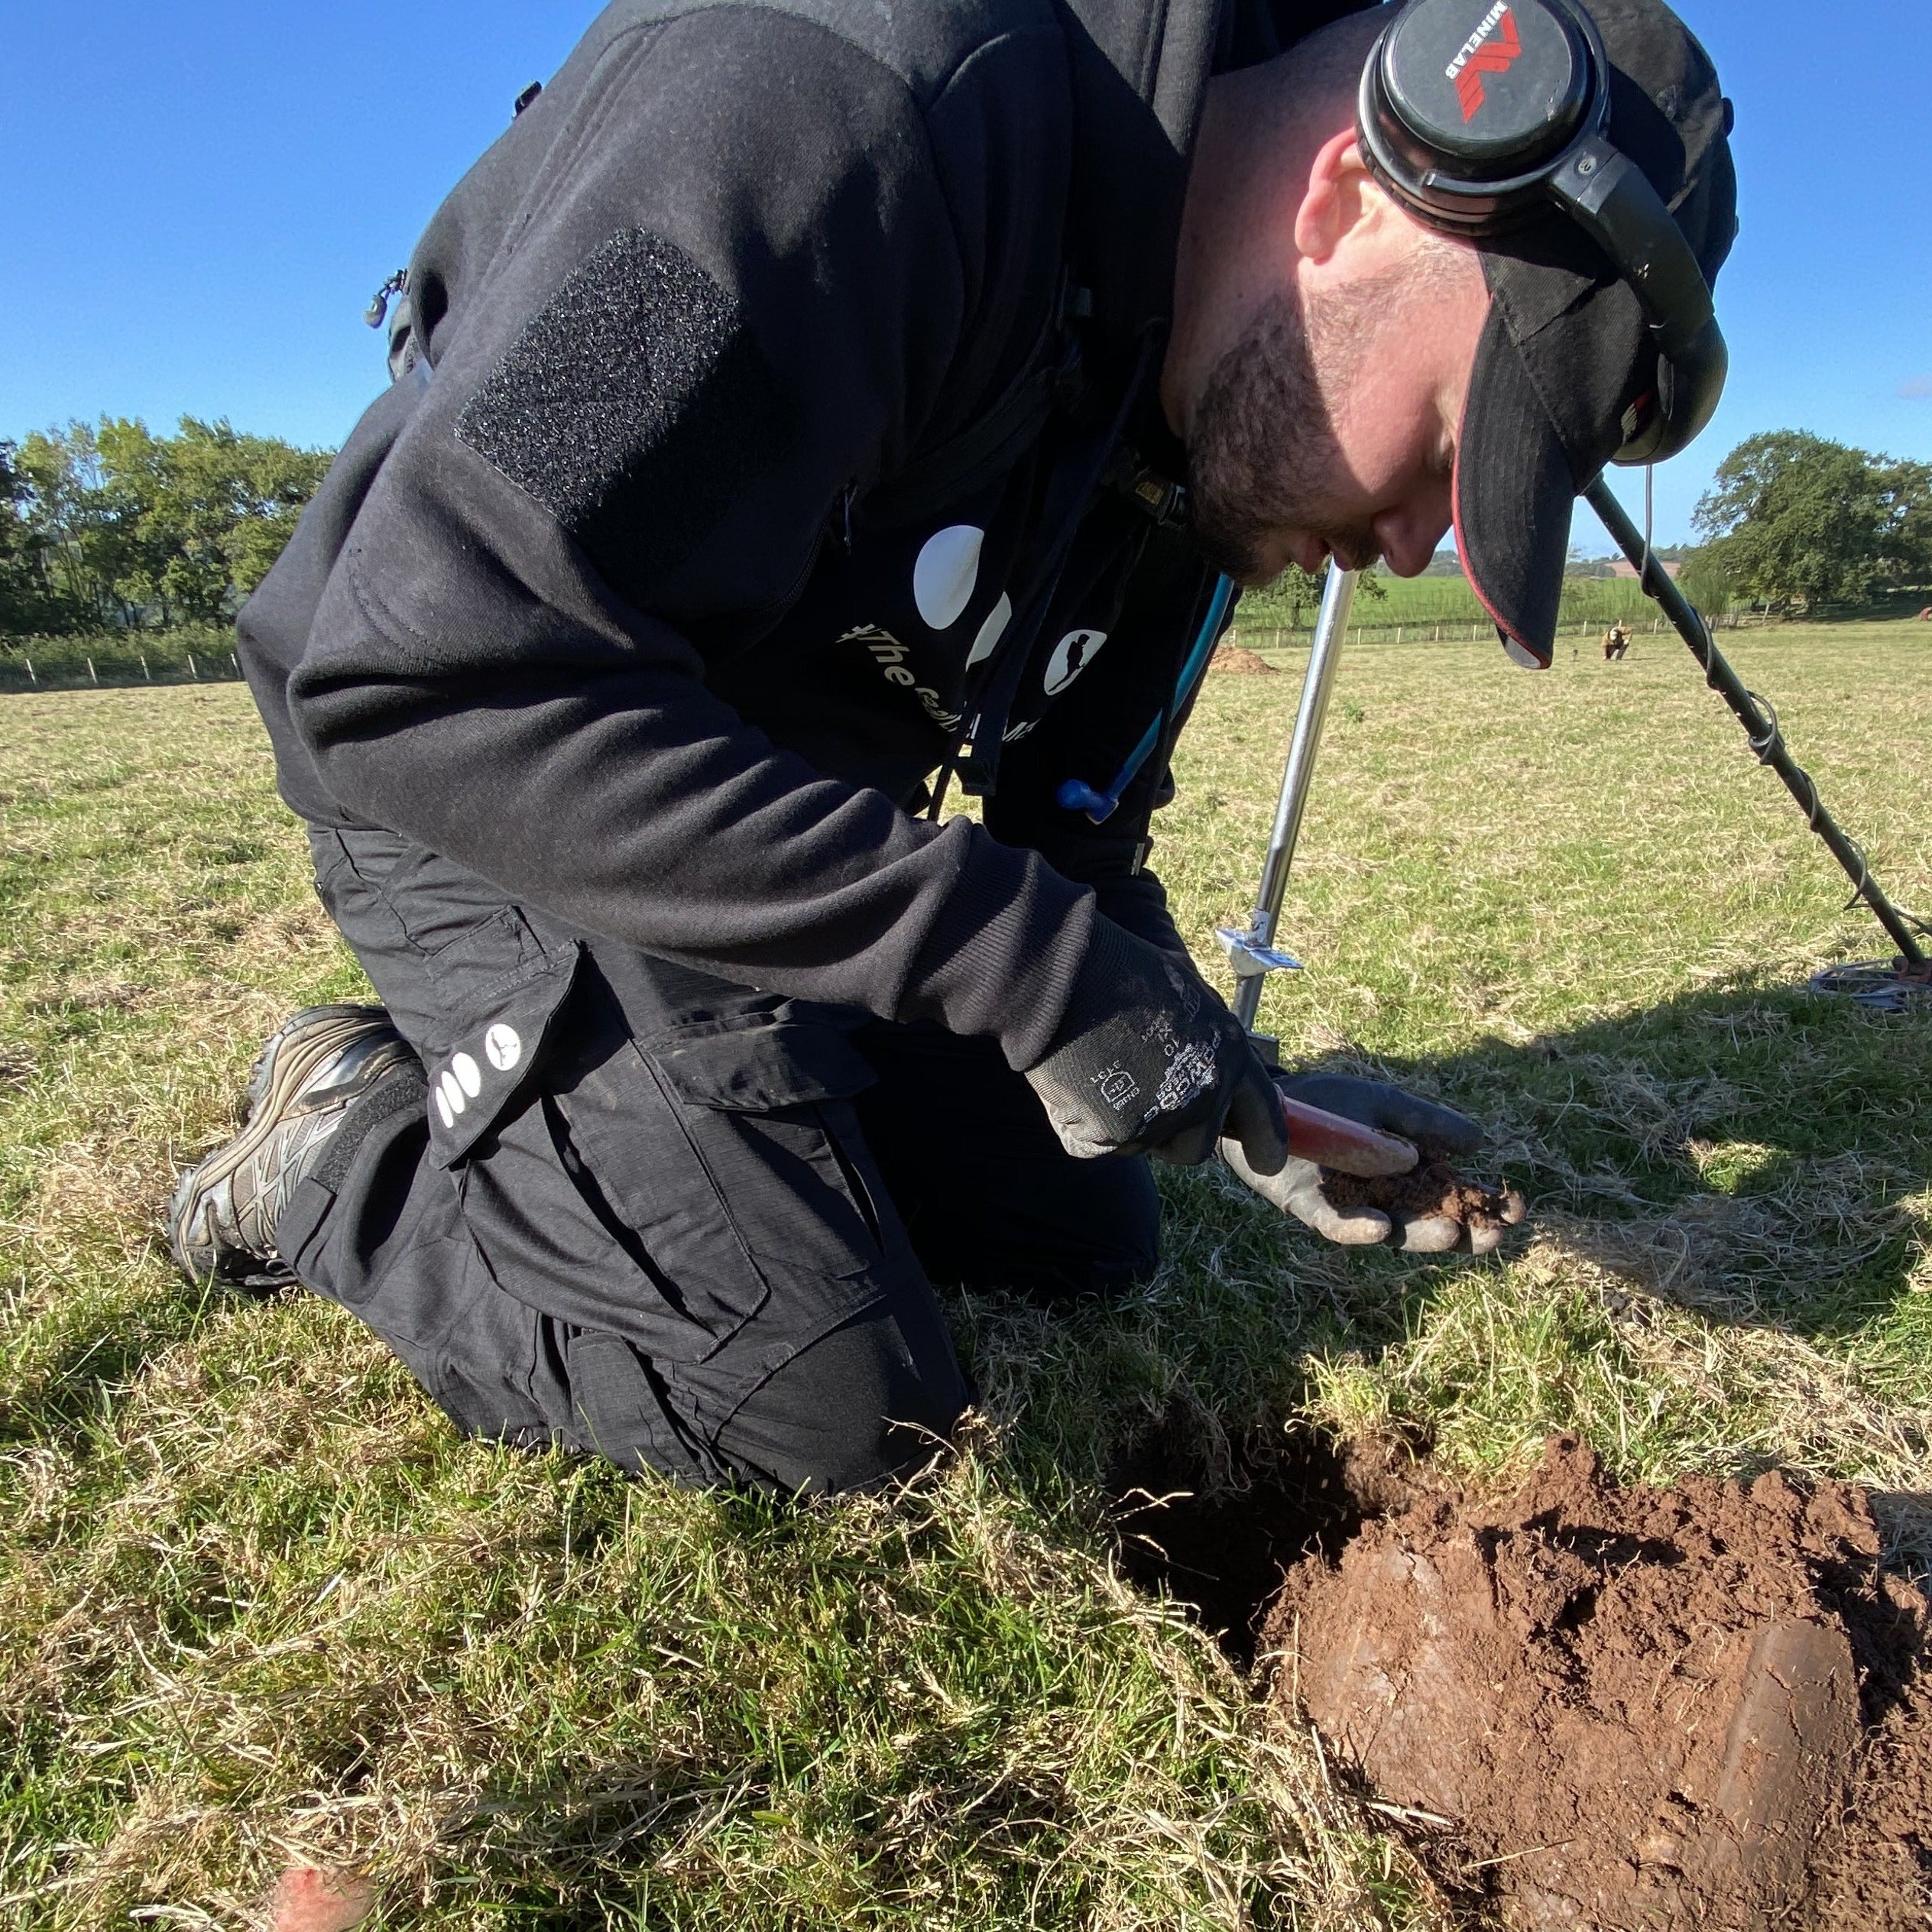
x: 1565, y: 356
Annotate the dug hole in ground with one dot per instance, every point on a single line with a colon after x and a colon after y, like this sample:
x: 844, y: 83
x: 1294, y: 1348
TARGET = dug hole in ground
x: 1587, y: 1706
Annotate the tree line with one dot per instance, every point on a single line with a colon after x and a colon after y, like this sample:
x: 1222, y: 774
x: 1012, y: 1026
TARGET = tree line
x: 1793, y: 522
x: 109, y: 527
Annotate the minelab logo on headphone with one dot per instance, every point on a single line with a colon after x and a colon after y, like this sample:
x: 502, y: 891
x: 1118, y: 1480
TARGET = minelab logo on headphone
x: 1475, y: 60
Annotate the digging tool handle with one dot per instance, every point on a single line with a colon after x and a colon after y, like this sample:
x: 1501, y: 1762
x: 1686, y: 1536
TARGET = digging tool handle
x: 1324, y: 655
x: 1334, y: 1140
x: 1766, y: 740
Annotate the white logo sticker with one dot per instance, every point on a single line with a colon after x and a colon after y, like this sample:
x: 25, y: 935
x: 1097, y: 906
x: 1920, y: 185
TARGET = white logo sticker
x: 455, y: 1101
x: 469, y: 1074
x: 504, y: 1047
x: 944, y: 577
x: 1072, y: 656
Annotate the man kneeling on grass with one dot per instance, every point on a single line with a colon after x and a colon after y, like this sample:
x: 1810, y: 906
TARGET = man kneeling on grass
x: 797, y: 409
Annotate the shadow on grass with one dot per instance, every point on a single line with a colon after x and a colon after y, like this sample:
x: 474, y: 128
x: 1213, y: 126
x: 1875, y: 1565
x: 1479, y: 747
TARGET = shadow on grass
x: 1752, y: 1151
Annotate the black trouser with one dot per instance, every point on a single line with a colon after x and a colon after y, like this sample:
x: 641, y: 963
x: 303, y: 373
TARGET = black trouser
x: 684, y: 1223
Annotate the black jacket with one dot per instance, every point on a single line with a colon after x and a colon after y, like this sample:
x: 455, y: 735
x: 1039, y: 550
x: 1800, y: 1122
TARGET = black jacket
x: 743, y: 455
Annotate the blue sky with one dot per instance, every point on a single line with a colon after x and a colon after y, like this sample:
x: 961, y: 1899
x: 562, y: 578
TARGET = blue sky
x: 201, y: 196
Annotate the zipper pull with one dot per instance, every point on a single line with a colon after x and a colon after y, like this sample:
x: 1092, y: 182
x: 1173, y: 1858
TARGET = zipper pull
x: 377, y: 313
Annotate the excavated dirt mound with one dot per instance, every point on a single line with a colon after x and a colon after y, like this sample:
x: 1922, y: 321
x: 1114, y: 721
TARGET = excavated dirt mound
x: 1232, y: 659
x: 1632, y: 1708
x: 1432, y: 1189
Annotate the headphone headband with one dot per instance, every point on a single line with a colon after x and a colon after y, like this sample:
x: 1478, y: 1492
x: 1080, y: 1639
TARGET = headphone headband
x: 1479, y: 116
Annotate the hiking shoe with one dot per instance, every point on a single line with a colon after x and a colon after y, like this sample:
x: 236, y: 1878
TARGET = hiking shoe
x: 221, y: 1223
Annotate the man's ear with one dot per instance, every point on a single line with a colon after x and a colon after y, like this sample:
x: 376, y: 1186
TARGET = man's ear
x: 1332, y: 204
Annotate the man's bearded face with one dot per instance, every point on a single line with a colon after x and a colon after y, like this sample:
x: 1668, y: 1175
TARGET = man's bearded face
x: 1325, y: 429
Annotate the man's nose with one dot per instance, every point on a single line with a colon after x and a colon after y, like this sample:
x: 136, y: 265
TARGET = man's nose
x: 1409, y: 535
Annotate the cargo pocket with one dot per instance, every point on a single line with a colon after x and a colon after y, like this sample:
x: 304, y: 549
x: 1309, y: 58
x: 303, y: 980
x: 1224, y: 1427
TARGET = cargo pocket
x: 619, y: 1412
x: 746, y: 1186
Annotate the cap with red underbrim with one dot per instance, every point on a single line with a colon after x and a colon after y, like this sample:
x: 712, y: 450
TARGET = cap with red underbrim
x: 1565, y: 352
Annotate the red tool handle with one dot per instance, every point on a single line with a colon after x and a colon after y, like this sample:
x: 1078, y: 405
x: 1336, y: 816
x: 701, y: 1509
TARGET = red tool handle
x: 1332, y: 1140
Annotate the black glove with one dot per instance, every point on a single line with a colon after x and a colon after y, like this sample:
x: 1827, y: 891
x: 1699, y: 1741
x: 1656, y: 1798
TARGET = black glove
x: 1148, y: 1060
x: 1302, y: 1189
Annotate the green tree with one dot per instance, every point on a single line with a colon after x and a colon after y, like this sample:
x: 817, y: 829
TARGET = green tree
x: 1908, y: 486
x: 127, y: 525
x: 1794, y: 521
x: 262, y: 484
x: 26, y: 599
x: 1705, y: 581
x: 1301, y: 590
x: 67, y: 511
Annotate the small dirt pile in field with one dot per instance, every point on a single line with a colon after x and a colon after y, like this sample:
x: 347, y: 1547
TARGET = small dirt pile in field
x: 1433, y: 1188
x: 1237, y: 663
x: 1631, y: 1708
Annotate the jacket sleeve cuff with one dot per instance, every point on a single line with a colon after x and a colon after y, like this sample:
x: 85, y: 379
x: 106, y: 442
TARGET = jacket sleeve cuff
x: 1003, y: 957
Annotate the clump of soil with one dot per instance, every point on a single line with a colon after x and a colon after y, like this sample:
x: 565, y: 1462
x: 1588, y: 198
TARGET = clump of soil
x: 1633, y: 1708
x: 1433, y: 1189
x: 1238, y: 662
x: 1875, y: 1874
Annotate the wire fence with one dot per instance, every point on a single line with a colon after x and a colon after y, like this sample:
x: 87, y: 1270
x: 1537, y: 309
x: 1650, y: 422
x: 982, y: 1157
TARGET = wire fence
x: 1398, y: 631
x: 117, y: 660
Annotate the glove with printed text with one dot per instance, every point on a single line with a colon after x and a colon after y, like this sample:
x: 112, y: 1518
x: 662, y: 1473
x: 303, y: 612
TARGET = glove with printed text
x: 1149, y: 1060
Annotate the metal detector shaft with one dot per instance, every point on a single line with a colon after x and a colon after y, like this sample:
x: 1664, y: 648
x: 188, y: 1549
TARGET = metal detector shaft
x: 1252, y: 953
x: 1755, y: 715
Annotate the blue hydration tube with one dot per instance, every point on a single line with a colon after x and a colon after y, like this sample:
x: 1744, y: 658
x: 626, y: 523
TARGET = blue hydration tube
x: 1076, y: 795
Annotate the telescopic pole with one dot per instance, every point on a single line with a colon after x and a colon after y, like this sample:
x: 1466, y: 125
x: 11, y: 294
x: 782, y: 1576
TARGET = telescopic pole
x: 1253, y: 954
x: 1757, y: 717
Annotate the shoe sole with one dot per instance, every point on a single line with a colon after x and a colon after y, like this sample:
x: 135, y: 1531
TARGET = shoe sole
x: 286, y: 1065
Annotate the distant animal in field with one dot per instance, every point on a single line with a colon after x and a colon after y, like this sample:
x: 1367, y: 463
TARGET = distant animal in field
x: 1616, y: 641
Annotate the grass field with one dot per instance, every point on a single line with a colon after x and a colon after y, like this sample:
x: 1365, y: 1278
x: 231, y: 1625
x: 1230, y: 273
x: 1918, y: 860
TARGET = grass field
x: 258, y: 1601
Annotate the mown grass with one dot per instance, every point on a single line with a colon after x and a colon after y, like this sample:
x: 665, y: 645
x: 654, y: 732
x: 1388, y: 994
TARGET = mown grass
x: 257, y: 1600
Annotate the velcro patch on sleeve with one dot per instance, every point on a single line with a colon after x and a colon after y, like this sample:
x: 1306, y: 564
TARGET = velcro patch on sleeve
x: 628, y: 408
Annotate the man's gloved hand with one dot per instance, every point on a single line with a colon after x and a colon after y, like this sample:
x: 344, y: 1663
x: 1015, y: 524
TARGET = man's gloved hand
x: 1149, y: 1060
x: 1332, y: 1204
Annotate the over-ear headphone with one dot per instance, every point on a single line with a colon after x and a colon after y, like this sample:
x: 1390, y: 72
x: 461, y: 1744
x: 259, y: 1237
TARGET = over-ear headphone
x: 1478, y: 115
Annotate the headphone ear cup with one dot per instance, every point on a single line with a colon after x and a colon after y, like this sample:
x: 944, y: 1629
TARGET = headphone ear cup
x: 1465, y: 104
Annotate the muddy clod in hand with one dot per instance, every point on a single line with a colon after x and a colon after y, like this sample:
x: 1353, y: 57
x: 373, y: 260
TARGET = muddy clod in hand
x: 1433, y: 1190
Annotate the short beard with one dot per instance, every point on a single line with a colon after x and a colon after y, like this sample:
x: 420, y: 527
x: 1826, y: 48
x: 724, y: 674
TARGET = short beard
x: 1262, y: 455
